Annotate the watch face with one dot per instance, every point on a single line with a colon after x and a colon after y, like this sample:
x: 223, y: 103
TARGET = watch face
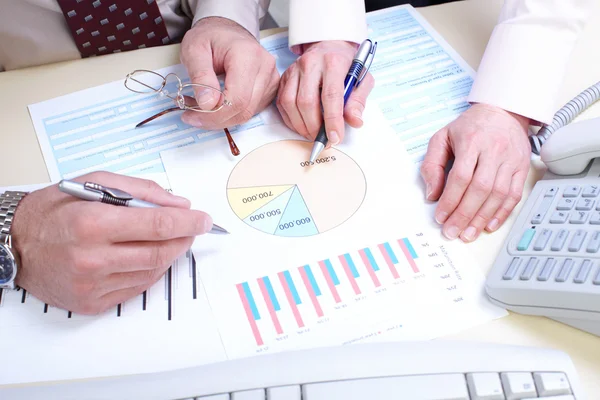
x: 7, y: 266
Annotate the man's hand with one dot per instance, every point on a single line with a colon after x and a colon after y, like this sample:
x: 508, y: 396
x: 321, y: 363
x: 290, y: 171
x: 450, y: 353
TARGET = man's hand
x: 317, y: 77
x: 491, y: 160
x: 218, y: 45
x: 87, y: 257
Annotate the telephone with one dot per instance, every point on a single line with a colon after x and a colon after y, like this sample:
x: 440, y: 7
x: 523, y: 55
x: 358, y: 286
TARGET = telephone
x: 549, y: 264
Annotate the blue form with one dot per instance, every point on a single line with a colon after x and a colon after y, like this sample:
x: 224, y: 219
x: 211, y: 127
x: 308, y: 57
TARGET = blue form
x: 271, y: 292
x: 389, y: 250
x: 296, y: 220
x: 351, y: 265
x: 410, y: 248
x: 371, y: 259
x: 251, y: 301
x: 290, y: 283
x: 331, y: 272
x: 313, y: 281
x: 265, y: 219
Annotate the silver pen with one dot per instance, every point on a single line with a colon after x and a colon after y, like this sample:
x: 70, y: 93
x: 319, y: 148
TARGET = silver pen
x: 95, y: 192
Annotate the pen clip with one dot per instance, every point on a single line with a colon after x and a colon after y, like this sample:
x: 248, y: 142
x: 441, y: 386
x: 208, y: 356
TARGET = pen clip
x: 368, y: 63
x: 114, y: 193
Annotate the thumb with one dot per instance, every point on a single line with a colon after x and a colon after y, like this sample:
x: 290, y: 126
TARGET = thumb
x: 434, y: 164
x: 199, y: 64
x: 355, y: 106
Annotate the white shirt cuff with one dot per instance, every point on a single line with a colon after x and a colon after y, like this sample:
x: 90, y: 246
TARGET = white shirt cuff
x: 246, y: 13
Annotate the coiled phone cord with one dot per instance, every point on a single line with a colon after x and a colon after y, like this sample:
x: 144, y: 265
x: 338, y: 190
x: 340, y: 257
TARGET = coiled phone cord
x: 564, y: 116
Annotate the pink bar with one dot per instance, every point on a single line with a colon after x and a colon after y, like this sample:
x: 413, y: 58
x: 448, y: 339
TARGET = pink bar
x: 290, y: 299
x: 349, y: 274
x: 388, y: 261
x: 272, y: 311
x: 332, y: 288
x: 253, y: 326
x: 408, y: 256
x: 311, y: 292
x: 369, y: 267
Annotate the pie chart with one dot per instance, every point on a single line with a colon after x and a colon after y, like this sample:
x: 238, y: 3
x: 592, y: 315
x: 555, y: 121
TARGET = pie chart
x: 276, y: 190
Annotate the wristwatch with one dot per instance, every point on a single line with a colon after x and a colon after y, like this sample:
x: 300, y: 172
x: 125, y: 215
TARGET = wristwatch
x: 9, y: 201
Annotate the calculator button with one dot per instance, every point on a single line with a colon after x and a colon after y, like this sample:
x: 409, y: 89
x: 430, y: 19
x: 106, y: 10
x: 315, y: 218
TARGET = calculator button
x: 559, y: 217
x: 551, y: 191
x: 547, y: 270
x: 594, y: 243
x: 526, y: 239
x: 583, y: 272
x: 559, y: 240
x: 584, y: 204
x: 591, y: 191
x: 551, y: 383
x: 512, y: 269
x: 529, y: 269
x: 595, y: 220
x: 543, y: 208
x: 565, y: 270
x: 596, y: 280
x: 565, y: 204
x: 542, y: 240
x: 572, y: 191
x: 518, y: 385
x: 577, y: 240
x: 579, y: 217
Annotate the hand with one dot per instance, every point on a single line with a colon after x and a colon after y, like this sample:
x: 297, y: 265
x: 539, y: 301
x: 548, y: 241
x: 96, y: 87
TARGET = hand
x: 491, y: 161
x: 218, y: 45
x: 87, y: 257
x: 322, y: 65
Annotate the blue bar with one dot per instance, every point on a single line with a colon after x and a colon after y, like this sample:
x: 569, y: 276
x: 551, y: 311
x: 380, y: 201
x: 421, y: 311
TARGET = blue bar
x: 389, y: 250
x: 351, y: 265
x: 332, y: 273
x: 290, y: 283
x: 269, y: 287
x: 413, y: 254
x: 251, y: 301
x: 371, y: 259
x: 312, y: 280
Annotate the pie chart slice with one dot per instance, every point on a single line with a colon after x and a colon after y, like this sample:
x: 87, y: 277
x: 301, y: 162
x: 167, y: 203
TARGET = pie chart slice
x: 274, y: 189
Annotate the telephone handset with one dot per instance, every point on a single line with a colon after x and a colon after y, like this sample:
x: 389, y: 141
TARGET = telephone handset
x: 549, y: 264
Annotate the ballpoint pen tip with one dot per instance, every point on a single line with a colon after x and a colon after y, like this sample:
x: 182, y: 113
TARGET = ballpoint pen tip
x: 316, y: 150
x: 220, y: 230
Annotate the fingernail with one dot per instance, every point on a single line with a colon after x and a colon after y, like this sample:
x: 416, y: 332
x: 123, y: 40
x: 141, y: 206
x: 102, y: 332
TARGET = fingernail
x: 356, y: 112
x: 469, y: 234
x: 493, y: 225
x: 187, y: 119
x: 208, y: 224
x: 428, y: 191
x: 451, y: 232
x: 333, y: 137
x: 204, y: 96
x: 181, y: 200
x: 441, y: 217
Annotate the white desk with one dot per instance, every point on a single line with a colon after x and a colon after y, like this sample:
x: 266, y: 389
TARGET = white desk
x: 465, y: 25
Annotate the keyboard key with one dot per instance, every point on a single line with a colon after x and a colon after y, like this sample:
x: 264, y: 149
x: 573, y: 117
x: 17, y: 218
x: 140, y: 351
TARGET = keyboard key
x: 518, y: 385
x: 559, y: 217
x: 565, y: 204
x: 572, y: 191
x: 529, y: 269
x: 284, y: 393
x: 559, y: 240
x: 594, y: 243
x: 583, y: 272
x: 433, y: 387
x: 258, y: 394
x: 512, y: 269
x: 546, y: 270
x: 485, y: 386
x: 577, y: 240
x: 596, y: 280
x: 543, y: 208
x: 595, y: 220
x: 526, y: 239
x: 542, y: 240
x: 565, y: 270
x: 551, y: 191
x: 584, y: 204
x: 591, y: 191
x: 551, y: 383
x: 579, y: 217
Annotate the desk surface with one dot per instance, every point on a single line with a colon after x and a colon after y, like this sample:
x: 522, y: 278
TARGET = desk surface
x: 465, y: 25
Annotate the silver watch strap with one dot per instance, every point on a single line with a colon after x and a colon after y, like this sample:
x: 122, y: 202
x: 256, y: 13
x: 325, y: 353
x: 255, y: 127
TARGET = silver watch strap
x: 9, y: 201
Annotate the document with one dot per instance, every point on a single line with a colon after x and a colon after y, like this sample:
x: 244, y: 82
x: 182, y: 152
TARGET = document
x: 331, y: 253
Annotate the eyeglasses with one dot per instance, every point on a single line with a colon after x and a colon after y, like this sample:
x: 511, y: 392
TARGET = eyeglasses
x: 145, y: 81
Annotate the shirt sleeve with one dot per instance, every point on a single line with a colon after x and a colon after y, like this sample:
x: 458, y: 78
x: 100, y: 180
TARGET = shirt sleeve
x: 247, y: 13
x: 525, y: 61
x: 319, y: 20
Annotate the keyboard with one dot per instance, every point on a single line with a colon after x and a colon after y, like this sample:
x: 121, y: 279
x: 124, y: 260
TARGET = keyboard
x: 550, y: 262
x: 432, y: 370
